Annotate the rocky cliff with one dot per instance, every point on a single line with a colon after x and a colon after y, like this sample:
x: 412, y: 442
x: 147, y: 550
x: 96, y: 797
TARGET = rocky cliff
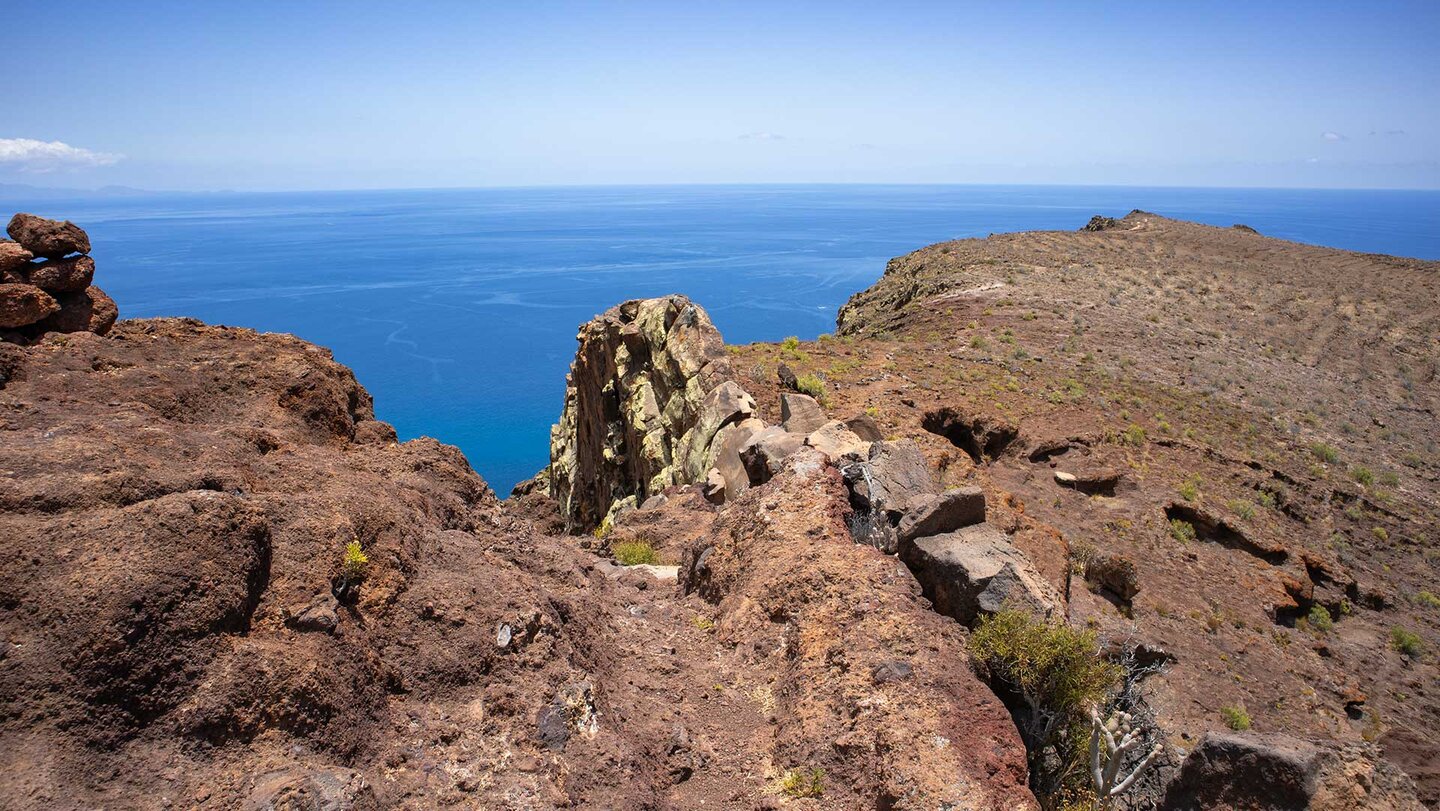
x: 230, y: 587
x: 1216, y: 446
x: 650, y: 402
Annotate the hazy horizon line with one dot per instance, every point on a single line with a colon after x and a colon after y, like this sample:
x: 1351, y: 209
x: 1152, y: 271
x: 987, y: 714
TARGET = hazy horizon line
x: 122, y: 190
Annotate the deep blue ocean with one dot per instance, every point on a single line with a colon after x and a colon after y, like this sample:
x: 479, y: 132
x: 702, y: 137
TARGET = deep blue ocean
x: 458, y: 309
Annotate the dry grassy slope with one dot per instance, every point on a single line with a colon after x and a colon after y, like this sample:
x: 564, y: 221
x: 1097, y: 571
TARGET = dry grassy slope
x: 1242, y: 370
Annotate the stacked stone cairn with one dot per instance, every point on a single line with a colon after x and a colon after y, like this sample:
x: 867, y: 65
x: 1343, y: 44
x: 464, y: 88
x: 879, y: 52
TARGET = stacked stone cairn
x: 45, y: 282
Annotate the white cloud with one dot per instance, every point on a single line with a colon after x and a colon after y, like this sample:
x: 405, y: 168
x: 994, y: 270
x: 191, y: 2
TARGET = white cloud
x: 761, y: 136
x: 30, y: 155
x: 1334, y: 136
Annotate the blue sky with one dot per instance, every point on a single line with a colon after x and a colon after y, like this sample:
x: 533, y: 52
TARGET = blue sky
x: 299, y: 95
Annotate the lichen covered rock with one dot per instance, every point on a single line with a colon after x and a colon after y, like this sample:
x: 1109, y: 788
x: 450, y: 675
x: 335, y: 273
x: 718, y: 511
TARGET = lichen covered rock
x: 651, y: 402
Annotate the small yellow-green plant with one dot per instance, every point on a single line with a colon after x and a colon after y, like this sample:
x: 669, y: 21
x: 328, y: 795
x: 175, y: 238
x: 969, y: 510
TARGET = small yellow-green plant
x: 603, y: 531
x: 1190, y: 490
x: 790, y: 349
x: 1319, y: 619
x: 1427, y: 599
x: 1133, y: 435
x: 702, y: 623
x: 1325, y: 453
x: 1406, y: 641
x: 1059, y: 673
x: 355, y: 561
x: 1236, y: 717
x: 1182, y: 531
x: 634, y: 553
x: 812, y: 385
x: 1242, y: 508
x: 1362, y: 475
x: 799, y: 783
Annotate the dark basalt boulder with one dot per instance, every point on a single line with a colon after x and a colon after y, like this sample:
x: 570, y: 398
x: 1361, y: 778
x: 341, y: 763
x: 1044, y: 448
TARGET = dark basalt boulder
x: 1101, y: 223
x: 50, y: 239
x: 1281, y: 773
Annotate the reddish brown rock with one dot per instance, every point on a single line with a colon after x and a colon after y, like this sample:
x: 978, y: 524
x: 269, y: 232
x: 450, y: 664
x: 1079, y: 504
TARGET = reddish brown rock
x: 63, y: 275
x: 22, y: 305
x: 87, y: 311
x: 51, y: 239
x: 13, y: 259
x: 825, y: 615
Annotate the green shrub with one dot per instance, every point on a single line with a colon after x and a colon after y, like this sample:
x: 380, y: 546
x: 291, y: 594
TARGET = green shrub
x: 978, y: 342
x: 1405, y: 641
x: 1362, y: 475
x: 1133, y: 435
x: 1242, y: 508
x: 798, y: 783
x: 1182, y: 531
x: 1427, y: 599
x: 1059, y: 674
x: 634, y: 553
x: 1319, y: 619
x: 1058, y: 666
x: 1190, y: 490
x: 1325, y: 453
x: 812, y: 385
x: 354, y: 563
x: 1380, y: 533
x: 790, y: 349
x: 1236, y: 717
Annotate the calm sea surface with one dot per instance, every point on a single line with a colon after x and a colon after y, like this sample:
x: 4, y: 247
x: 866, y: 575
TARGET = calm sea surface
x: 458, y: 309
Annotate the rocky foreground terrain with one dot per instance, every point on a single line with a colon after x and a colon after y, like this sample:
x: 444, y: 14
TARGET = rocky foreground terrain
x: 1182, y: 477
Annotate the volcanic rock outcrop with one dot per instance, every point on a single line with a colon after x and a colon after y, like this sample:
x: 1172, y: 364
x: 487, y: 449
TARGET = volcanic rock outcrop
x: 53, y: 294
x: 650, y: 402
x: 1216, y: 447
x: 230, y: 587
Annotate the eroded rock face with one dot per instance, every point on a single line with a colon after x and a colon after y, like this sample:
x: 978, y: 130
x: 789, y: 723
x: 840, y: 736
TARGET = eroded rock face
x: 651, y: 402
x: 175, y: 526
x: 866, y: 675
